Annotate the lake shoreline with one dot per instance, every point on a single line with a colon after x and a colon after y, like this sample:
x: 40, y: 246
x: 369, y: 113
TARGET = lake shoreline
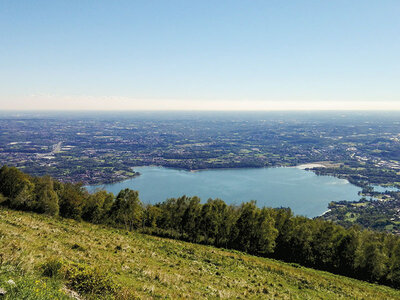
x: 302, y: 166
x: 303, y: 191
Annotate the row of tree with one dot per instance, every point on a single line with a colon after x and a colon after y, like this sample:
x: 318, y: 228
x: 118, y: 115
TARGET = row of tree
x: 265, y: 232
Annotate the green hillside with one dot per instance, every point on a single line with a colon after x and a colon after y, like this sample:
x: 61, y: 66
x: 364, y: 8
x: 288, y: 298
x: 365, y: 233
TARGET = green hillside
x: 144, y: 266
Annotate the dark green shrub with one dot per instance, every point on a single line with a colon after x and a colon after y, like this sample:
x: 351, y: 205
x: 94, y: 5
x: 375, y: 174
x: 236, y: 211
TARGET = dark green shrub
x: 77, y: 247
x: 85, y: 279
x: 51, y: 268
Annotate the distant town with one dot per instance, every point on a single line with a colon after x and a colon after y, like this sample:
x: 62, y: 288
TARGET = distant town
x: 96, y: 149
x: 92, y: 149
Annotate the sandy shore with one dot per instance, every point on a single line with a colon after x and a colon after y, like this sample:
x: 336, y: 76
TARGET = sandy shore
x: 325, y: 212
x: 310, y: 166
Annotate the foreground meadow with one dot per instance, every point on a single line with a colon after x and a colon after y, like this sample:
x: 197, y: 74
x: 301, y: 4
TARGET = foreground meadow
x: 146, y: 267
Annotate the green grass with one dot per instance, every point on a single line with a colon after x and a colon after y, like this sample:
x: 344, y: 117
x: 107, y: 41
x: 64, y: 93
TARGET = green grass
x: 20, y: 285
x: 149, y: 267
x: 351, y: 219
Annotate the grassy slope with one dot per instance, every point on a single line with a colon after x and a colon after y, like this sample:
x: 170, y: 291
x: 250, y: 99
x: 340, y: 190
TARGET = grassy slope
x: 148, y: 266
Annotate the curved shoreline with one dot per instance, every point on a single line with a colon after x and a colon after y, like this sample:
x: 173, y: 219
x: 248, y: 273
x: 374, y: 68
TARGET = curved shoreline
x: 303, y: 166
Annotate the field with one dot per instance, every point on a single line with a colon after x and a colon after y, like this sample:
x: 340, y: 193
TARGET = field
x: 148, y: 267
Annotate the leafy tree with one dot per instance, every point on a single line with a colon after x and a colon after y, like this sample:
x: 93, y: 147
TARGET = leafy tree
x: 46, y: 199
x: 256, y: 233
x: 97, y: 207
x: 284, y: 225
x: 227, y: 226
x: 323, y: 244
x: 17, y: 187
x: 173, y: 210
x: 151, y: 216
x: 371, y: 260
x: 394, y: 273
x: 127, y: 209
x: 265, y: 232
x: 211, y: 220
x: 190, y: 219
x: 300, y: 241
x: 346, y: 251
x: 71, y: 200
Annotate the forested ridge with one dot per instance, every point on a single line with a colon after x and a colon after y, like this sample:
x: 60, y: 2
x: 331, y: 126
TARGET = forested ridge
x: 267, y: 232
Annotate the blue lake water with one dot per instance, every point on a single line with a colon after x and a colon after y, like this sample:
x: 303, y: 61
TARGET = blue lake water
x: 304, y: 192
x: 382, y: 189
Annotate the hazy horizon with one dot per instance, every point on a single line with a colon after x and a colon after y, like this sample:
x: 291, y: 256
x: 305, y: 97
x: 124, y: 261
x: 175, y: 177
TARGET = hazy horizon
x: 100, y: 104
x: 214, y: 56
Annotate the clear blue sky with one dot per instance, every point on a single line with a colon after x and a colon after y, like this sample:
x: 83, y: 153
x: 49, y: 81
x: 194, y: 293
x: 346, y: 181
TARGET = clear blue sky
x: 138, y: 53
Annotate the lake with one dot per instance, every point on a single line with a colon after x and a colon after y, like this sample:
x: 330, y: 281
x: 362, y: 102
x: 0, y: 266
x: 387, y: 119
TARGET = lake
x: 382, y: 189
x: 304, y: 192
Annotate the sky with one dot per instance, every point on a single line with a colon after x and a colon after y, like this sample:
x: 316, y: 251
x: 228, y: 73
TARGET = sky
x: 200, y: 55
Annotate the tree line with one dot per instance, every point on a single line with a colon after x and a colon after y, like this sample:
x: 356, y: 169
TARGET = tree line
x: 267, y: 232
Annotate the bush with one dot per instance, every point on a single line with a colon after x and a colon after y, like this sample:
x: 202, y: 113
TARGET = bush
x: 51, y: 268
x: 85, y: 279
x: 77, y: 247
